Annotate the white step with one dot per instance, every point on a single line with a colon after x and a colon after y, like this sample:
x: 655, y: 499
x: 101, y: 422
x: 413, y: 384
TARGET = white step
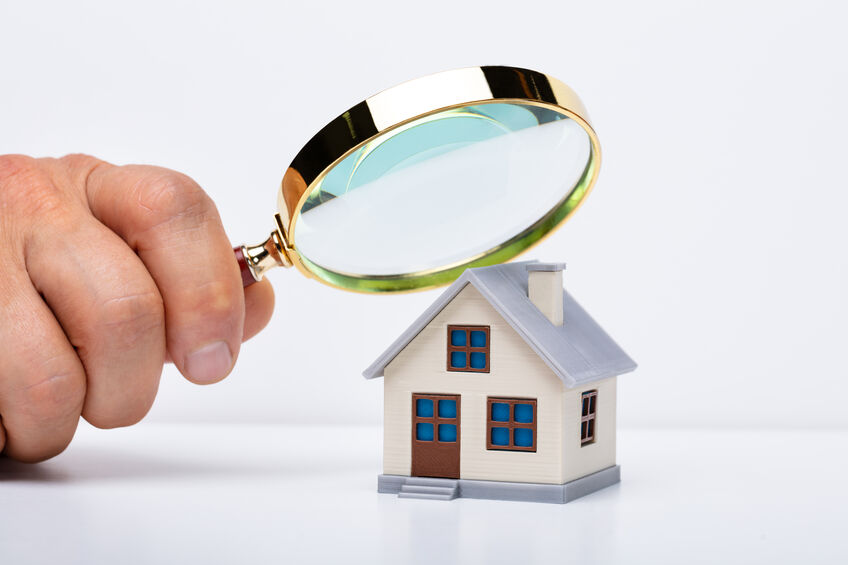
x: 431, y: 481
x: 425, y: 496
x: 426, y: 489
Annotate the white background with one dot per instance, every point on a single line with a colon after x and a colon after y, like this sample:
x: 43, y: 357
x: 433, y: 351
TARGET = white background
x: 168, y: 494
x: 712, y: 248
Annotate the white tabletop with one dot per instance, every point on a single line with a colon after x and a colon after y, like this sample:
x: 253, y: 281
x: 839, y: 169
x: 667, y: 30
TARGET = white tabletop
x: 228, y: 494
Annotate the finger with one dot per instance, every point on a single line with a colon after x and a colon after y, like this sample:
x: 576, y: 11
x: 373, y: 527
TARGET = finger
x: 42, y: 382
x: 2, y: 436
x: 176, y: 231
x: 258, y: 306
x: 110, y: 310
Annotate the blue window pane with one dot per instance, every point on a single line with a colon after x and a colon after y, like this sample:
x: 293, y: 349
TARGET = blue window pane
x: 447, y: 409
x: 458, y: 359
x: 424, y: 432
x: 478, y: 360
x: 500, y: 412
x: 424, y: 408
x: 457, y: 337
x: 447, y: 432
x: 524, y: 413
x: 500, y: 436
x: 478, y: 339
x: 523, y: 437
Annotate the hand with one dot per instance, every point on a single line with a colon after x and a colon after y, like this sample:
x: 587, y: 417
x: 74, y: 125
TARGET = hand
x: 106, y: 273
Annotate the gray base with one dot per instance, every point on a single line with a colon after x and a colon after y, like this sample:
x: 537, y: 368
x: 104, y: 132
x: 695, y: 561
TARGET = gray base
x: 528, y: 492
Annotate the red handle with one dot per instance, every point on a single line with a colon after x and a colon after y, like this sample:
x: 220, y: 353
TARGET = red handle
x: 246, y: 276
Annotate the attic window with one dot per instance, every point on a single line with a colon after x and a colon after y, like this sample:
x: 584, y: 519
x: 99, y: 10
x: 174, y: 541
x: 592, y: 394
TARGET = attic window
x: 468, y: 349
x: 588, y: 408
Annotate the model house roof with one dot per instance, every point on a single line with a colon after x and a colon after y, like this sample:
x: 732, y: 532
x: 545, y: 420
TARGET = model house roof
x: 578, y: 352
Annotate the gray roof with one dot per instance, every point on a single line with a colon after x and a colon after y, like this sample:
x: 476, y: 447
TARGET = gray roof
x: 578, y: 352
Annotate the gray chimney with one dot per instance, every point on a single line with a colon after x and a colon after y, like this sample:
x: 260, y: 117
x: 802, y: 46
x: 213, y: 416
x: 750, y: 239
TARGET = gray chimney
x: 544, y: 288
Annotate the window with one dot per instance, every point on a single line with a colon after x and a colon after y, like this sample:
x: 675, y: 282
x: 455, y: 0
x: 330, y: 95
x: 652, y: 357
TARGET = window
x: 435, y: 418
x: 589, y: 405
x: 511, y: 424
x: 468, y: 349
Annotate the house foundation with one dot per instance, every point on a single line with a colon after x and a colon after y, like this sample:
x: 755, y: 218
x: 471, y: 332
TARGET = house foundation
x: 418, y: 487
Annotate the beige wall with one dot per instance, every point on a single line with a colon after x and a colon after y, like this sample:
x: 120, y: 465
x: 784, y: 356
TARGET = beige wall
x: 580, y: 461
x: 515, y: 372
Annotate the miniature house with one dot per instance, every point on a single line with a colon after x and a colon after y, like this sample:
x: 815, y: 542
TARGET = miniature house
x: 504, y: 388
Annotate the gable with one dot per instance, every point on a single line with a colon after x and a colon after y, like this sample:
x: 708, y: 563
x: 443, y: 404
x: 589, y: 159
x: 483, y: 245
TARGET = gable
x: 512, y: 364
x: 578, y: 352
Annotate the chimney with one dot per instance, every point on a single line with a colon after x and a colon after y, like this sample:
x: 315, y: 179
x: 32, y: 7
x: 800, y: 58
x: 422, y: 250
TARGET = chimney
x: 544, y: 288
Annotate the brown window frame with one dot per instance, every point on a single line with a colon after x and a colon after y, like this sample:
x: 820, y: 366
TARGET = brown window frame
x: 588, y: 419
x: 511, y: 424
x: 468, y: 350
x: 435, y: 419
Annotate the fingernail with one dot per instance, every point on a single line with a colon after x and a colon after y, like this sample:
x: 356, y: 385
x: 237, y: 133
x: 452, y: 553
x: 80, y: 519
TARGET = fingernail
x: 210, y: 363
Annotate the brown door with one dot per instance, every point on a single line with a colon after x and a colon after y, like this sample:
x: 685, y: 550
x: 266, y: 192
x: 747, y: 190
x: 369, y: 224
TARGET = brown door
x: 435, y: 435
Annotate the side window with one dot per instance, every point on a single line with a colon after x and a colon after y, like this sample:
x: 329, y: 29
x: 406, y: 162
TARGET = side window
x: 468, y: 349
x: 588, y: 408
x: 511, y: 424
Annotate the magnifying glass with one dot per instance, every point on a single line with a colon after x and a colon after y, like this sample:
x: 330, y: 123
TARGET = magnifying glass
x: 407, y: 189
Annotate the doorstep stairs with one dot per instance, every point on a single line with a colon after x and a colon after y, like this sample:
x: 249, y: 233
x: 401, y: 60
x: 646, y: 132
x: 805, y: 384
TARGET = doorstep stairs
x: 429, y: 488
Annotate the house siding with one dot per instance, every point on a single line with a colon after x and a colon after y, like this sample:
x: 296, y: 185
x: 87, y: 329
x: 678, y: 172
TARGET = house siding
x: 515, y: 372
x: 579, y: 461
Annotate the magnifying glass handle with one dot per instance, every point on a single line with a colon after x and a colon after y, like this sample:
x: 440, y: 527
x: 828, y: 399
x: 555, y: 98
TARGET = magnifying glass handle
x: 255, y: 260
x: 246, y: 274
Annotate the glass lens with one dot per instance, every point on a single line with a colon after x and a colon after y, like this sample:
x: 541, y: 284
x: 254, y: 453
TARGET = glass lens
x: 442, y: 189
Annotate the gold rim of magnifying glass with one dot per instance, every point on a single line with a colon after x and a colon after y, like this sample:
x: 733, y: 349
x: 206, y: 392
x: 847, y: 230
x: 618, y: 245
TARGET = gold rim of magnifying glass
x: 391, y: 109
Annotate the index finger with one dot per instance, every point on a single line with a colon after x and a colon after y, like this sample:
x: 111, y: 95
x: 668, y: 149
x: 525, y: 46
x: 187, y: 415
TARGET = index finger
x: 176, y: 230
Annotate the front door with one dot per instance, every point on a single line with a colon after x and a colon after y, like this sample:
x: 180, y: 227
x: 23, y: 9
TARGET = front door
x: 435, y: 435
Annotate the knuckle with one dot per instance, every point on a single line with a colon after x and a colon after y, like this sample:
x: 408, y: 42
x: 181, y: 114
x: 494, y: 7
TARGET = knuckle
x: 12, y: 165
x: 127, y: 317
x: 25, y: 189
x: 79, y: 161
x: 54, y: 398
x: 78, y: 166
x: 172, y: 196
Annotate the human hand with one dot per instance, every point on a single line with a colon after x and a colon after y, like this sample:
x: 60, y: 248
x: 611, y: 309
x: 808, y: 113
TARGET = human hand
x: 106, y: 273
